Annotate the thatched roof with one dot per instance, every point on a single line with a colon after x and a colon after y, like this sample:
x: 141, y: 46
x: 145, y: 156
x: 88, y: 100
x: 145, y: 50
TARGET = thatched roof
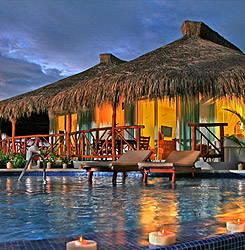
x: 202, y: 62
x: 39, y: 100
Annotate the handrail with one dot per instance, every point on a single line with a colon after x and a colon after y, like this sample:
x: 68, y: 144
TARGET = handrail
x: 218, y: 152
x: 83, y: 143
x: 28, y: 162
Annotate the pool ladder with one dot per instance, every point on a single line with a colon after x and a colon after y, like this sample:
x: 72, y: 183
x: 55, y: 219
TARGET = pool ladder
x: 27, y: 164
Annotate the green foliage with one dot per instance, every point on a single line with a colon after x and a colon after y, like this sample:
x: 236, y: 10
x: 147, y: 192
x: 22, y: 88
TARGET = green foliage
x: 233, y: 137
x: 66, y: 160
x: 237, y: 114
x: 52, y: 157
x: 44, y: 153
x: 19, y: 161
x: 4, y: 159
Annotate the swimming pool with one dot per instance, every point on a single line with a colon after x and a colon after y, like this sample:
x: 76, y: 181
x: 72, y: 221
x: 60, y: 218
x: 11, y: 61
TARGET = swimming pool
x: 68, y: 206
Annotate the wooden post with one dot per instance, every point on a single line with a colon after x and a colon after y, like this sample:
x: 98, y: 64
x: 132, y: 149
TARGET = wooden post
x: 222, y: 142
x: 138, y: 138
x: 113, y: 134
x: 52, y: 143
x: 13, y: 135
x: 82, y: 146
x: 68, y: 135
x: 194, y: 138
x: 97, y: 140
x: 25, y: 144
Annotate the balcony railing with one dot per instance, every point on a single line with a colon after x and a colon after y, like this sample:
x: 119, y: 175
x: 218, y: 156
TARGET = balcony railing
x: 205, y: 140
x: 87, y: 144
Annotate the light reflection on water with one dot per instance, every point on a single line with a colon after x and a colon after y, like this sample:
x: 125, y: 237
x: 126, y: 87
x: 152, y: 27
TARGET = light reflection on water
x: 68, y: 206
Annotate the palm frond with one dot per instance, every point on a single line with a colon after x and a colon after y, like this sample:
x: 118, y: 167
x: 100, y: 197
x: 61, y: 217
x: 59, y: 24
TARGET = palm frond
x: 237, y: 114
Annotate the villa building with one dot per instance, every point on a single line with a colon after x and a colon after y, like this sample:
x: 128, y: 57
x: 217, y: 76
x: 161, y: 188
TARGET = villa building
x: 191, y: 80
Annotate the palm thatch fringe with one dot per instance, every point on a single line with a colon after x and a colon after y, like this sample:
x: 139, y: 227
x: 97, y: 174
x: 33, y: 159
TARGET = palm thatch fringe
x: 39, y: 100
x: 202, y: 62
x: 185, y: 69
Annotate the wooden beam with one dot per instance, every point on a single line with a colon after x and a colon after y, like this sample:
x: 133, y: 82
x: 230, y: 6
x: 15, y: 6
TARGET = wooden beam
x: 191, y: 124
x: 13, y: 135
x: 222, y: 134
x: 113, y: 134
x: 194, y: 138
x: 138, y: 135
x: 68, y: 151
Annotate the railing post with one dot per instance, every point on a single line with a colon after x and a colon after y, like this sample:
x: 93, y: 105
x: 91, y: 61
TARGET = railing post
x: 68, y: 135
x: 194, y: 138
x: 13, y: 135
x: 97, y: 139
x: 113, y: 134
x: 52, y: 143
x: 222, y: 142
x: 82, y: 146
x: 138, y: 135
x: 25, y: 143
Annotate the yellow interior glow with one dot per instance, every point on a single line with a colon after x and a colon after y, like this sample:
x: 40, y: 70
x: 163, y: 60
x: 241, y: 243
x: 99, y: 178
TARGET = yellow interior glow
x: 146, y: 117
x: 234, y: 125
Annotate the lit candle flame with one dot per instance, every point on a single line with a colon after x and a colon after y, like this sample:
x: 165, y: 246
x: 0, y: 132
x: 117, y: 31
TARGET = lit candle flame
x: 163, y: 231
x: 238, y: 221
x: 81, y: 239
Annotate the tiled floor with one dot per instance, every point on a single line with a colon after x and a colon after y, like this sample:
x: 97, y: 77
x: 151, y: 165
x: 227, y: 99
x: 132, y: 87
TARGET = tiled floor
x: 131, y: 240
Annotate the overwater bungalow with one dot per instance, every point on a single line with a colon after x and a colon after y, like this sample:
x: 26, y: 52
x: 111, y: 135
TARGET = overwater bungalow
x: 172, y: 97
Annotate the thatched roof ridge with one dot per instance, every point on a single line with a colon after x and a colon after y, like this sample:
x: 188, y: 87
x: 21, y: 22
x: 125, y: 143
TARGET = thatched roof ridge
x: 184, y: 68
x: 39, y: 100
x: 200, y: 29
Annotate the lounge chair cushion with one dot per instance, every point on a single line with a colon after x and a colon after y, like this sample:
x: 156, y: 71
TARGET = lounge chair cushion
x: 177, y: 162
x: 103, y: 166
x: 155, y: 164
x: 132, y: 158
x: 185, y: 158
x: 127, y: 162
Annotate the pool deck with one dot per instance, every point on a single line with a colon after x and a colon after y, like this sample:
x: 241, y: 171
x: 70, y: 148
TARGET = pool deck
x: 123, y: 240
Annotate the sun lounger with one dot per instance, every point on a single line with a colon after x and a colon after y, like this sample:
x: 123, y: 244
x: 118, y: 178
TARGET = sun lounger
x: 177, y: 162
x: 126, y: 163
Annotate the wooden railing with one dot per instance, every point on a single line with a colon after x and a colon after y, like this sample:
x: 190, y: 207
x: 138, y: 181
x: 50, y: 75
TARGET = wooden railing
x: 208, y: 143
x: 52, y: 143
x: 87, y: 144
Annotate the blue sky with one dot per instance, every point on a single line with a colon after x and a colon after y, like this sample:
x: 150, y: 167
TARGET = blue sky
x: 46, y: 40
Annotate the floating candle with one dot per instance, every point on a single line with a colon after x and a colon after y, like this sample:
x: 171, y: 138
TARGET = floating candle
x: 81, y: 244
x: 162, y: 238
x: 235, y: 226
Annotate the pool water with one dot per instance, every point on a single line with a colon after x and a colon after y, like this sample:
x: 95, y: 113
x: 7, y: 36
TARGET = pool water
x: 67, y: 206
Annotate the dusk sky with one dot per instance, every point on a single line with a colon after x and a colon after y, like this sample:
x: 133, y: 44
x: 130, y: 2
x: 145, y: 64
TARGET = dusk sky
x: 46, y: 40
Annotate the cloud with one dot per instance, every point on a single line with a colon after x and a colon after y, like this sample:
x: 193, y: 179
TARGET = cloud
x: 65, y: 37
x: 18, y: 76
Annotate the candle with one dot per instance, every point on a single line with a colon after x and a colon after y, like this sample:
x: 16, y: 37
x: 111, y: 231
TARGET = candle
x: 9, y: 164
x: 81, y: 244
x: 235, y: 226
x: 162, y: 238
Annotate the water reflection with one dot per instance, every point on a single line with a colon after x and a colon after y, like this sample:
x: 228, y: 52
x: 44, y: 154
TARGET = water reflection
x: 71, y: 206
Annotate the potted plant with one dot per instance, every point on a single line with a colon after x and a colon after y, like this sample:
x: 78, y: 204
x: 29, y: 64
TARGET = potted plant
x: 44, y: 153
x: 8, y: 159
x: 51, y: 158
x: 65, y: 161
x: 5, y: 160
